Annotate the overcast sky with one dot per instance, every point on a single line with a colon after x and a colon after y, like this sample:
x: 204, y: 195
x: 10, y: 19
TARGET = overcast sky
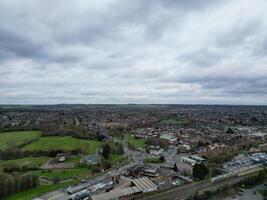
x: 133, y: 51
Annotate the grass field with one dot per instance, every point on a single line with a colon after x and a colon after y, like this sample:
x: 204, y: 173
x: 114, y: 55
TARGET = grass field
x: 24, y: 162
x: 63, y: 173
x: 18, y: 137
x: 136, y: 143
x: 66, y: 143
x: 152, y: 160
x: 175, y: 121
x: 115, y: 158
x: 75, y: 160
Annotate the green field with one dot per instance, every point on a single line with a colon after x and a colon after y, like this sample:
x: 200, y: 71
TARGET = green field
x: 66, y: 143
x: 26, y: 161
x: 75, y: 160
x: 29, y: 161
x: 115, y: 158
x: 175, y: 121
x: 153, y: 160
x: 62, y: 173
x: 26, y: 142
x: 17, y: 137
x: 136, y: 143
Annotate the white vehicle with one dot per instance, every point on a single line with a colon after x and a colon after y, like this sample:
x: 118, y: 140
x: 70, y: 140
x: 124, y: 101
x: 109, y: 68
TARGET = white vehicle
x: 221, y: 177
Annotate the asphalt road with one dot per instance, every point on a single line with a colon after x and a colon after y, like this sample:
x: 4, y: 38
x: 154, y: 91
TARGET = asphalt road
x: 138, y: 158
x: 184, y: 192
x: 248, y: 194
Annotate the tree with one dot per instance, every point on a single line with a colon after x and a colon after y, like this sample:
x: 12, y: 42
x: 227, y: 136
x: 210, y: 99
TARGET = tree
x: 100, y: 137
x: 120, y: 149
x: 216, y: 172
x: 95, y: 168
x: 230, y: 131
x: 161, y: 159
x: 106, y: 164
x: 10, y: 184
x: 11, y: 152
x: 56, y: 180
x: 200, y: 171
x: 3, y: 185
x: 175, y: 168
x: 106, y: 151
x: 24, y: 183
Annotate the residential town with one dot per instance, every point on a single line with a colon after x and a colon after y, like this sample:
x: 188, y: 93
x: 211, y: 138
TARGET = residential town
x: 129, y: 151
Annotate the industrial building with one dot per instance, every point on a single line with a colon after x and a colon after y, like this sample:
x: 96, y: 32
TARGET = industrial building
x: 137, y: 186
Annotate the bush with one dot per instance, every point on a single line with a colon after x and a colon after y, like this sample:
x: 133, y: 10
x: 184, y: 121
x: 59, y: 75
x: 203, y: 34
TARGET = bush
x: 9, y: 168
x: 95, y: 169
x: 154, y: 160
x: 12, y: 152
x: 254, y: 180
x: 106, y: 151
x: 55, y: 180
x: 200, y: 171
x: 106, y: 164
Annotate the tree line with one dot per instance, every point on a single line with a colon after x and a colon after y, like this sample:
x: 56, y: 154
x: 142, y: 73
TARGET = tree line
x: 11, y: 184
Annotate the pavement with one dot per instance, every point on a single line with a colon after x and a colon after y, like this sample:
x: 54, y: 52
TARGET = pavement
x: 56, y: 195
x: 247, y: 194
x: 170, y: 155
x: 186, y: 191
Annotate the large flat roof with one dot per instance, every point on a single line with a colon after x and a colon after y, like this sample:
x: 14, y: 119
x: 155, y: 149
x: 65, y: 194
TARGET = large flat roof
x: 114, y: 194
x: 143, y: 184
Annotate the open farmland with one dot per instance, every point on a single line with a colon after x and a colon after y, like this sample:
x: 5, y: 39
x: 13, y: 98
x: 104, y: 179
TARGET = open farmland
x: 66, y: 143
x: 17, y: 137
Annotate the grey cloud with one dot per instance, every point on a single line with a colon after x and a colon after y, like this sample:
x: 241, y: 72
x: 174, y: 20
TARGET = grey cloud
x: 155, y: 51
x: 240, y: 33
x: 201, y: 58
x: 13, y: 45
x: 190, y: 4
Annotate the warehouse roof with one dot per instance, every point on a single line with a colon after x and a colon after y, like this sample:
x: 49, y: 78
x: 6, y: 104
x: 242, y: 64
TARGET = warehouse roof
x: 143, y: 184
x: 115, y: 194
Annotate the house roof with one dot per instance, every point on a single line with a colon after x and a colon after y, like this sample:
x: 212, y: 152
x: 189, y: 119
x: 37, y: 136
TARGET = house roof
x: 166, y: 137
x: 91, y: 159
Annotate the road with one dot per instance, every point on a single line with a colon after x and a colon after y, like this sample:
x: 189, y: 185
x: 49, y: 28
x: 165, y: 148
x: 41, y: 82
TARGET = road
x: 177, y: 193
x: 137, y: 156
x: 184, y: 192
x: 248, y: 194
x: 170, y: 156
